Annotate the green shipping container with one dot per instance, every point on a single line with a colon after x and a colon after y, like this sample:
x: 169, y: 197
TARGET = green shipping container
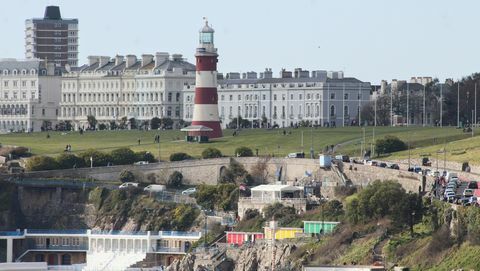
x: 316, y: 226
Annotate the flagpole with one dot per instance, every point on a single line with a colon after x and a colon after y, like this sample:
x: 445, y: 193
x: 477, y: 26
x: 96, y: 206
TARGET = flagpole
x: 441, y: 105
x: 424, y: 112
x: 458, y: 104
x: 408, y: 101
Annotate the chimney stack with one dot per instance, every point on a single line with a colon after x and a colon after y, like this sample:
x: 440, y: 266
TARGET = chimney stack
x: 131, y: 60
x: 118, y: 60
x: 160, y: 57
x: 146, y: 59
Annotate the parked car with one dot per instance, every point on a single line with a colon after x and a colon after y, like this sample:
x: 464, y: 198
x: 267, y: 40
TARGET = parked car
x: 465, y: 201
x: 473, y: 185
x: 468, y: 192
x: 450, y: 197
x: 189, y: 191
x: 141, y: 163
x: 426, y: 162
x: 382, y: 164
x: 155, y: 188
x: 473, y: 200
x: 128, y: 185
x: 394, y: 166
x: 296, y: 155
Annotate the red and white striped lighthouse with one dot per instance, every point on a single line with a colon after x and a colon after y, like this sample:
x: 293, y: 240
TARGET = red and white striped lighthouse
x: 205, y: 111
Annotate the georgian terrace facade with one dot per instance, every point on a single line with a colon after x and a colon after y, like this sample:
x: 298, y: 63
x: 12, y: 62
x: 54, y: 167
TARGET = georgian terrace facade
x: 29, y: 95
x: 324, y: 98
x: 111, y: 89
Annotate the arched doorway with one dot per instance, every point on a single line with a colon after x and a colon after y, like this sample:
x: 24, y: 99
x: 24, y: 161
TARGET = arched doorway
x: 52, y: 259
x: 66, y: 259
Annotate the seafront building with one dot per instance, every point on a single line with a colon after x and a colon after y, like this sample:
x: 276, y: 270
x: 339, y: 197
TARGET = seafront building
x: 30, y: 93
x: 97, y: 250
x: 319, y: 97
x: 52, y: 38
x: 111, y: 89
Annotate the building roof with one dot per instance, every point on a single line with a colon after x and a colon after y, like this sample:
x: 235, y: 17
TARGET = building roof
x: 289, y: 80
x: 276, y: 188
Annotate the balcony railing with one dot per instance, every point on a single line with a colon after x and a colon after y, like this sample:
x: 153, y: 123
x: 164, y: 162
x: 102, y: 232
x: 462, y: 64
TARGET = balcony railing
x: 270, y: 200
x: 47, y: 231
x: 168, y: 250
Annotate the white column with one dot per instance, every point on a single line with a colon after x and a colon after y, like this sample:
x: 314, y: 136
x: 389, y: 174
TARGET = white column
x: 9, y: 250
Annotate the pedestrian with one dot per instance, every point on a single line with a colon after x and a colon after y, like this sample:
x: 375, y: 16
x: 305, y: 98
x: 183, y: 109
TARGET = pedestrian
x: 138, y: 140
x: 48, y: 135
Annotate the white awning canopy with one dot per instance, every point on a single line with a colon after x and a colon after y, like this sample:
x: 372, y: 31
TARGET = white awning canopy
x: 196, y: 128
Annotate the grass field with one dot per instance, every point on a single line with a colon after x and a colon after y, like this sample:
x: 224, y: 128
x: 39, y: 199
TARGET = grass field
x: 266, y: 141
x: 458, y: 151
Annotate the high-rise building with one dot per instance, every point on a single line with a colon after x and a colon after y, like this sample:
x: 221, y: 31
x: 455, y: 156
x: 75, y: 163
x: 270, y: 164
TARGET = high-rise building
x: 52, y: 38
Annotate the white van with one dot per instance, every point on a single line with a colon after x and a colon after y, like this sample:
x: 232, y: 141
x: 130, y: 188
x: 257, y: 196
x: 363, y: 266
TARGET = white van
x: 128, y: 185
x: 452, y: 175
x: 155, y: 188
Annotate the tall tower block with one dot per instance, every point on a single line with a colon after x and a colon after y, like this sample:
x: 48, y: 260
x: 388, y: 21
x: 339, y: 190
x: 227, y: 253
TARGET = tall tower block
x: 205, y: 111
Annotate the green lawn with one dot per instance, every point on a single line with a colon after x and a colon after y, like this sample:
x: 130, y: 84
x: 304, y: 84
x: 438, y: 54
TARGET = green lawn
x: 459, y: 151
x: 266, y: 141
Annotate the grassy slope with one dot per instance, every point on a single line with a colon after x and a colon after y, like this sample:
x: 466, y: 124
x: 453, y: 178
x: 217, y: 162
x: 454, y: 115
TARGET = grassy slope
x: 458, y: 151
x: 267, y: 141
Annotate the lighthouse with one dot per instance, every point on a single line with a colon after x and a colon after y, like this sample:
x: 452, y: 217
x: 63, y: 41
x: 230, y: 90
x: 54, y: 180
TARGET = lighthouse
x: 205, y: 120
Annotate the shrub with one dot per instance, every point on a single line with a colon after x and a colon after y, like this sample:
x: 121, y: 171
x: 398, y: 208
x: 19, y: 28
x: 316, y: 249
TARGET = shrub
x: 389, y: 144
x: 179, y: 156
x: 183, y: 216
x: 144, y: 156
x: 123, y: 156
x: 68, y: 160
x: 235, y: 173
x: 126, y: 176
x: 222, y: 196
x: 243, y: 152
x: 37, y: 163
x: 211, y: 153
x: 175, y: 180
x: 102, y: 126
x: 20, y: 152
x: 100, y: 159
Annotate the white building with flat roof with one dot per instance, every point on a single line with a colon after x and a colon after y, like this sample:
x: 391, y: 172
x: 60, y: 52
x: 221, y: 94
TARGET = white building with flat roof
x: 29, y: 95
x: 319, y: 97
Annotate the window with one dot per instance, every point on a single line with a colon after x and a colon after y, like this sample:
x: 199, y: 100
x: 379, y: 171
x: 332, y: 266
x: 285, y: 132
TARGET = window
x: 345, y: 110
x: 318, y: 96
x: 5, y: 83
x: 66, y: 259
x: 231, y: 98
x: 264, y: 97
x: 177, y: 97
x: 300, y: 96
x: 274, y: 97
x: 24, y: 83
x: 15, y: 83
x: 43, y: 111
x: 283, y: 97
x: 222, y: 98
x: 332, y: 96
x: 345, y: 96
x: 332, y: 111
x: 359, y: 96
x: 169, y: 97
x: 291, y: 96
x: 239, y: 97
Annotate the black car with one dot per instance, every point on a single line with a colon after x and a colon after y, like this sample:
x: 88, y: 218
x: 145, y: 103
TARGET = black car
x: 473, y: 185
x: 382, y: 164
x: 395, y: 166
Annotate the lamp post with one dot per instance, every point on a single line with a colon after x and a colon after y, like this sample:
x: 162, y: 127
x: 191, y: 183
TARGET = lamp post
x: 159, y: 157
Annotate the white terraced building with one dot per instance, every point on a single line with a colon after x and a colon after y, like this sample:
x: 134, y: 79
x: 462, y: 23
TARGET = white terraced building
x: 91, y: 250
x: 29, y: 95
x: 322, y: 98
x: 113, y: 88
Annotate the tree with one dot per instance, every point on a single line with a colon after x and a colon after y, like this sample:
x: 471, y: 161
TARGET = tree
x: 175, y: 180
x: 179, y: 156
x: 68, y: 160
x: 220, y: 197
x: 167, y: 123
x: 236, y: 173
x: 127, y: 176
x: 389, y: 144
x: 92, y: 122
x: 133, y: 123
x: 123, y: 123
x: 38, y: 163
x: 155, y: 123
x: 100, y: 159
x: 211, y: 153
x: 123, y: 156
x: 244, y: 123
x: 243, y: 152
x: 113, y: 125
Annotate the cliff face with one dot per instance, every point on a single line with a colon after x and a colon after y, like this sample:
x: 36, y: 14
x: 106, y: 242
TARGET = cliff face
x: 59, y: 208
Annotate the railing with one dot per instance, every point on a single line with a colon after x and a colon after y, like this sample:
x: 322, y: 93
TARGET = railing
x: 73, y: 267
x: 48, y: 231
x: 11, y: 233
x: 270, y: 200
x: 180, y: 233
x: 81, y: 247
x: 113, y: 232
x: 168, y: 249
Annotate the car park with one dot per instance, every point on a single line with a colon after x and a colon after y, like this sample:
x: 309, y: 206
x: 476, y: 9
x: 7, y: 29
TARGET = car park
x: 128, y: 185
x: 189, y: 191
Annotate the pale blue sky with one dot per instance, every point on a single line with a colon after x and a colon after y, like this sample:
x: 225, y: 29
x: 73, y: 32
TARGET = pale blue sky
x: 370, y: 40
